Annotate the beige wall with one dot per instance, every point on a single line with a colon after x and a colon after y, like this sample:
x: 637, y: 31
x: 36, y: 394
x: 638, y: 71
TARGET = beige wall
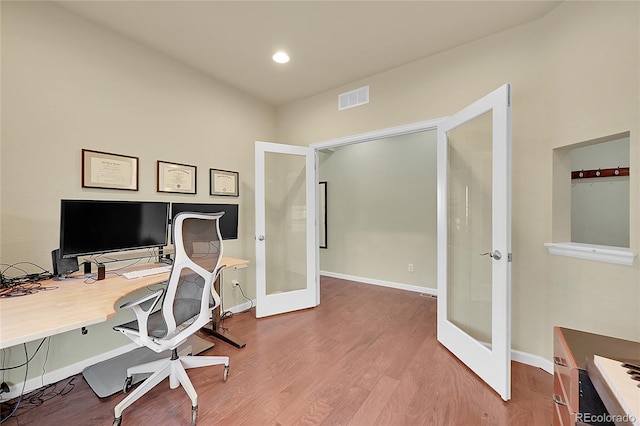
x: 67, y: 85
x: 575, y: 78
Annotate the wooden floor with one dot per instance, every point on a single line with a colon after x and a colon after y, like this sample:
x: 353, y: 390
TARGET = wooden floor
x: 367, y: 355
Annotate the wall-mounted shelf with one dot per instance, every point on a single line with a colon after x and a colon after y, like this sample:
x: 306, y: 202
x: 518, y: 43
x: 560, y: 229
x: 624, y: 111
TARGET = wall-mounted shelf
x: 597, y: 173
x: 620, y: 255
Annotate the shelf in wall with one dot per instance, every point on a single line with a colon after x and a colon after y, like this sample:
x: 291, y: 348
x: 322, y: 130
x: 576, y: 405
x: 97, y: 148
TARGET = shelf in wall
x: 619, y: 255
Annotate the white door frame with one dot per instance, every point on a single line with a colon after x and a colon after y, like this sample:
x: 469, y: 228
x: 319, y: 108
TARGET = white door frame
x: 378, y: 134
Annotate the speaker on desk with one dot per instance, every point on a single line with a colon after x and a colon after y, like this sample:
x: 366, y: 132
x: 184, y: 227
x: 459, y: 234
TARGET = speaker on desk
x: 62, y: 266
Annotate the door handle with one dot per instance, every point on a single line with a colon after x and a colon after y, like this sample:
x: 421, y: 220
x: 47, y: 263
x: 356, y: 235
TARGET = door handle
x: 260, y: 237
x: 495, y: 254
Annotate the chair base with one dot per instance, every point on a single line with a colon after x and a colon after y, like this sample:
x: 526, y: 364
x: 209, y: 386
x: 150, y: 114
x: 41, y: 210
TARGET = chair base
x: 173, y: 368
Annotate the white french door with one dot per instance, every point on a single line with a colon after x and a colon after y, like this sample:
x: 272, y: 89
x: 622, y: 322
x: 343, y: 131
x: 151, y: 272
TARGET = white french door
x: 474, y: 237
x: 287, y: 277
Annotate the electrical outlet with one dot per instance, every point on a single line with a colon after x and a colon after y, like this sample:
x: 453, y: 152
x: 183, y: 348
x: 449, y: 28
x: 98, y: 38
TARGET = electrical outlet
x: 235, y: 283
x: 410, y: 267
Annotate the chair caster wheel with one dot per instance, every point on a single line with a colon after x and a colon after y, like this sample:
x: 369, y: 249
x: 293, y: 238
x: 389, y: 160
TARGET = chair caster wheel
x: 225, y: 373
x: 127, y: 384
x: 117, y: 421
x: 194, y: 415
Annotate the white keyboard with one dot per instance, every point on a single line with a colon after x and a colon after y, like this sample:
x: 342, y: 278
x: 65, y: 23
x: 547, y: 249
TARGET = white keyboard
x: 146, y: 272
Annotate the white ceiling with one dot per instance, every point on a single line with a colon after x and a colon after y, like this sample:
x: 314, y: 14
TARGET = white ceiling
x: 331, y: 43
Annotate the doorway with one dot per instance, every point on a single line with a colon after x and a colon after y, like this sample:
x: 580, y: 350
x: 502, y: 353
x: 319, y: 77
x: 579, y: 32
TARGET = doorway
x: 381, y: 211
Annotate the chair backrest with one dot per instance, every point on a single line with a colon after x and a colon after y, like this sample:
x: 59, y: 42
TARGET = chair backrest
x: 198, y: 251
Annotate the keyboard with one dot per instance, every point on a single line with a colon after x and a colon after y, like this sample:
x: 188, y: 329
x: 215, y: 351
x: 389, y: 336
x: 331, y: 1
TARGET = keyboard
x: 146, y: 272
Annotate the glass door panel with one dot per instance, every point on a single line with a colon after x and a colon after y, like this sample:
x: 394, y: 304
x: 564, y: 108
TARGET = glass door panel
x: 286, y: 231
x: 470, y: 212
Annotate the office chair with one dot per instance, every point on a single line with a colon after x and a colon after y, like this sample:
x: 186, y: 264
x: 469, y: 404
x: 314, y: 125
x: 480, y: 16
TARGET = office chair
x: 186, y: 306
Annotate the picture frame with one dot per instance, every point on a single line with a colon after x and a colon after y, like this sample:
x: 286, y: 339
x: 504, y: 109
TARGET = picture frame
x: 176, y: 177
x: 106, y: 170
x: 224, y: 183
x: 322, y: 214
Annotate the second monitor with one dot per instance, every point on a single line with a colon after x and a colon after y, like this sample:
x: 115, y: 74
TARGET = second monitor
x: 228, y: 222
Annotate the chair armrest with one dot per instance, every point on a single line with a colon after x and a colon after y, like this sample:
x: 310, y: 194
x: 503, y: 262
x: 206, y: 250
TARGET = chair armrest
x: 148, y: 297
x: 142, y: 307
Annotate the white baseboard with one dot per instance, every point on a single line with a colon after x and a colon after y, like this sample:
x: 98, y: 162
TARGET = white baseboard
x: 532, y: 360
x: 241, y: 307
x: 519, y: 356
x: 407, y: 287
x: 64, y: 372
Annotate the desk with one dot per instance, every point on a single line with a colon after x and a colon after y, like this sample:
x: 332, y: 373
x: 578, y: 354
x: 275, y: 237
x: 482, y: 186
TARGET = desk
x: 75, y: 304
x: 578, y: 389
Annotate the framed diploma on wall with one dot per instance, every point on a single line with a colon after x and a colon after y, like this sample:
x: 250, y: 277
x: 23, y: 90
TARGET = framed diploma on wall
x: 224, y: 182
x: 175, y: 177
x: 109, y: 171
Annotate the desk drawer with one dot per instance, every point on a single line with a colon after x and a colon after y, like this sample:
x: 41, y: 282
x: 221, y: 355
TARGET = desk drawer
x: 575, y: 397
x: 566, y: 371
x: 563, y: 415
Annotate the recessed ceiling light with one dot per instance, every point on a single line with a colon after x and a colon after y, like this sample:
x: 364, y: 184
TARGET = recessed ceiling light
x: 281, y: 57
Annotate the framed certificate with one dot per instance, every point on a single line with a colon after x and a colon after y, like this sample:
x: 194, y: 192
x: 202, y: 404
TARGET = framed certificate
x: 109, y: 171
x: 175, y: 177
x: 223, y: 182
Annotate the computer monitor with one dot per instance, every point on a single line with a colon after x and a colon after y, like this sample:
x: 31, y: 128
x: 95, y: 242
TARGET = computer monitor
x: 228, y: 222
x: 89, y: 227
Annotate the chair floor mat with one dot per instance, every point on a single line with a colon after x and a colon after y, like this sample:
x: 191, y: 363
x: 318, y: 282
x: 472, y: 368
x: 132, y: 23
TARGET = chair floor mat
x: 107, y: 377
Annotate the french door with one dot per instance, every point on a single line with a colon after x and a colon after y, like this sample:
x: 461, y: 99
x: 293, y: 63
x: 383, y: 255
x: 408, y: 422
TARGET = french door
x: 287, y: 277
x: 474, y: 237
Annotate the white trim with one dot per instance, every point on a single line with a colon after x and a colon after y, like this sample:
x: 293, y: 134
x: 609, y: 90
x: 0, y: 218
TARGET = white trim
x: 620, y: 255
x: 382, y: 283
x: 65, y: 372
x: 241, y: 307
x: 532, y: 360
x: 378, y: 134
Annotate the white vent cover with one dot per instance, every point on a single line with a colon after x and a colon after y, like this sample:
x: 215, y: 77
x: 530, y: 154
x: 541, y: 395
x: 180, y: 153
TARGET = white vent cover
x: 353, y: 98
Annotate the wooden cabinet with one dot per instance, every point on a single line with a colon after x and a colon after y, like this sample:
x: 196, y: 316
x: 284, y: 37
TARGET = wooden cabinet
x: 575, y: 397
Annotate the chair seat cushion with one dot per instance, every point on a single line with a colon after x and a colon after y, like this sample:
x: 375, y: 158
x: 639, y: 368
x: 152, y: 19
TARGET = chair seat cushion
x: 155, y: 325
x: 184, y: 310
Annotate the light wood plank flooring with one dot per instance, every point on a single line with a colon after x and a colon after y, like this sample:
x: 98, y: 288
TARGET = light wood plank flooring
x: 367, y: 355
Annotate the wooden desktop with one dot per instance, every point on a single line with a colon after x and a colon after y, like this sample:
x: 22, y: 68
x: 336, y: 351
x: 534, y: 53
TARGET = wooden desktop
x: 76, y: 303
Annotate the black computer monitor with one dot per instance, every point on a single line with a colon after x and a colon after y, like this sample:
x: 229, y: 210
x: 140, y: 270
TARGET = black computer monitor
x: 90, y: 227
x: 228, y: 222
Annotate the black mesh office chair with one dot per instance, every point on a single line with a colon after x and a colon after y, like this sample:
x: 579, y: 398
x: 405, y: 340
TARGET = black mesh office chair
x: 186, y: 306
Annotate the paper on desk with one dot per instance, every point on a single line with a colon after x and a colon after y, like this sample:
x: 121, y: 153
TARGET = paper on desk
x: 624, y: 388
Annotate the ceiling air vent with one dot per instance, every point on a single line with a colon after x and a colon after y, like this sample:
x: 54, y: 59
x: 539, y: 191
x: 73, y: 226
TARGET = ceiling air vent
x: 353, y: 98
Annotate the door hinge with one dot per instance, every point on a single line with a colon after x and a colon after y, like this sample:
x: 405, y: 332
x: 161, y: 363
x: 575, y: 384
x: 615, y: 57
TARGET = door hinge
x: 509, y: 257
